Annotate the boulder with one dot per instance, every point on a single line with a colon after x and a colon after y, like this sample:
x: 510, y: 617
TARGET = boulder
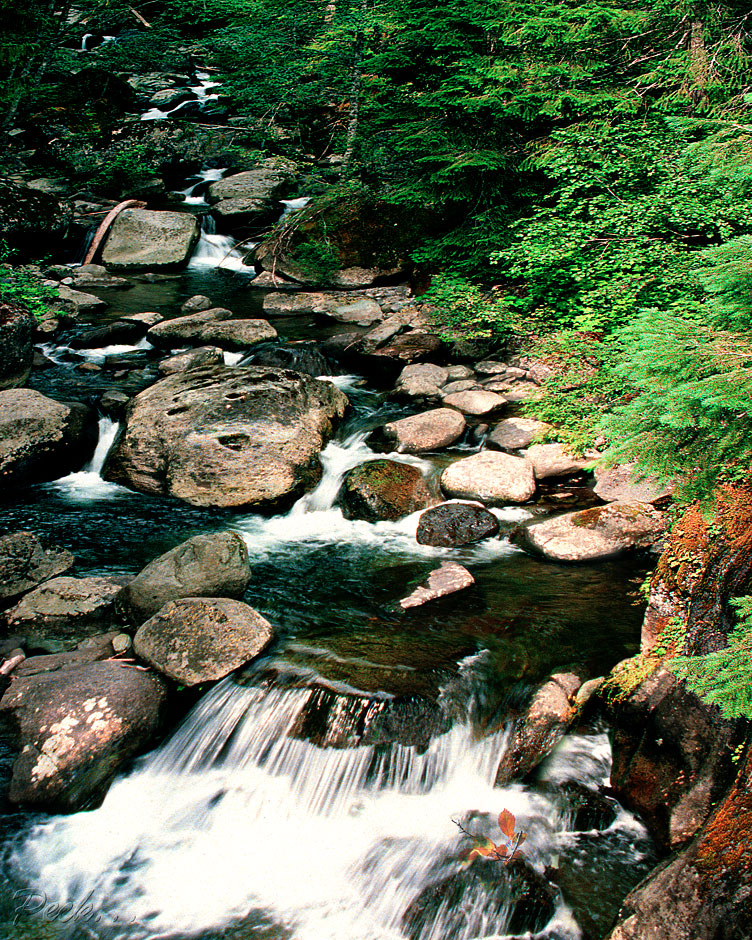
x: 475, y: 902
x: 460, y: 385
x: 196, y: 304
x: 30, y: 219
x: 421, y: 380
x: 252, y: 195
x: 345, y: 307
x: 516, y: 433
x: 76, y: 302
x: 124, y: 332
x: 474, y: 402
x: 616, y: 484
x: 24, y: 563
x: 448, y: 579
x: 457, y: 372
x: 543, y: 725
x: 192, y: 359
x: 248, y: 436
x: 180, y: 331
x: 113, y: 404
x: 42, y: 439
x: 383, y: 489
x: 75, y: 727
x: 594, y: 534
x: 237, y: 335
x: 91, y: 650
x: 552, y: 460
x: 199, y: 639
x: 145, y: 319
x: 142, y: 238
x: 415, y: 346
x: 61, y: 612
x: 213, y: 565
x: 492, y: 477
x: 452, y: 524
x: 16, y: 344
x: 431, y: 430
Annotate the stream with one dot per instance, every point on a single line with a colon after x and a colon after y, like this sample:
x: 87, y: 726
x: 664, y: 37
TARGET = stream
x: 242, y: 824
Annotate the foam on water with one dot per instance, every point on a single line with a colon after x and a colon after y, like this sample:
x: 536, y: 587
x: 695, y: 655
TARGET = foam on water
x: 234, y: 816
x: 87, y: 484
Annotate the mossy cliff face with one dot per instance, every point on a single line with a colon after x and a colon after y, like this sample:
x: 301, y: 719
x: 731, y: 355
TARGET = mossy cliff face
x: 677, y: 762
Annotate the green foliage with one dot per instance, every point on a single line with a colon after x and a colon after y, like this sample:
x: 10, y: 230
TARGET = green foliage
x: 724, y: 677
x: 317, y: 260
x: 124, y: 170
x: 21, y: 285
x: 460, y: 306
x: 689, y: 372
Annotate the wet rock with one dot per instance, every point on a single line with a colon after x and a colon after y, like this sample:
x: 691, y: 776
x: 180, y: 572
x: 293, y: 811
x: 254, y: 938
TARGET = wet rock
x: 237, y: 335
x: 421, y: 380
x: 300, y: 357
x: 253, y: 194
x: 248, y: 436
x: 93, y: 649
x: 344, y: 307
x: 383, y: 489
x: 200, y: 639
x: 517, y: 433
x: 453, y: 524
x: 514, y: 898
x: 475, y: 402
x: 185, y: 330
x: 492, y: 477
x: 59, y: 613
x: 431, y: 430
x: 113, y: 404
x: 146, y: 319
x: 552, y: 460
x: 461, y: 385
x: 590, y: 808
x: 415, y: 346
x: 95, y: 276
x: 16, y: 344
x: 620, y: 483
x: 543, y: 725
x: 119, y: 332
x: 212, y: 565
x: 76, y: 302
x: 142, y: 238
x: 75, y: 728
x: 458, y: 372
x: 594, y: 534
x: 192, y: 359
x: 25, y: 564
x: 42, y: 439
x: 196, y: 304
x: 448, y: 579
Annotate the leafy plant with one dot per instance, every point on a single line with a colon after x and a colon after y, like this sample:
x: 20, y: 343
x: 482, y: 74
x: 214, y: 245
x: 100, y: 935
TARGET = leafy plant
x: 23, y: 286
x: 507, y: 849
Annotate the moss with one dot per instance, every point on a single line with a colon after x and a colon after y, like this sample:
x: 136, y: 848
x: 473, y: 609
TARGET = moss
x: 628, y: 675
x: 725, y: 843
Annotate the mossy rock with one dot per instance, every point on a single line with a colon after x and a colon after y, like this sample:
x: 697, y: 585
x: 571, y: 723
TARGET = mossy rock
x: 383, y: 490
x: 30, y: 220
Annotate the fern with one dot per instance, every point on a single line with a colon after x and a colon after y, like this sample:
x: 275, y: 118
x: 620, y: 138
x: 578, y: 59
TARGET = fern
x: 724, y: 677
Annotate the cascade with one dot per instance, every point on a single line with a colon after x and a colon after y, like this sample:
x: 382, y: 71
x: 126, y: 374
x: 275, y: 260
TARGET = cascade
x: 218, y: 251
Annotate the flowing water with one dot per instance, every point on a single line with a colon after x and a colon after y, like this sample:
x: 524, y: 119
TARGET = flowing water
x: 316, y: 795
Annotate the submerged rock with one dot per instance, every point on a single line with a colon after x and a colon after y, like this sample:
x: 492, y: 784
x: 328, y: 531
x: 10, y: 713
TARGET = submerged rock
x: 16, y: 344
x: 61, y: 612
x: 142, y: 238
x: 453, y: 524
x: 492, y: 477
x: 448, y: 579
x: 24, y: 563
x: 594, y: 534
x: 202, y: 639
x: 383, y: 489
x: 42, y: 439
x: 211, y: 565
x: 431, y: 430
x: 75, y: 727
x: 248, y: 436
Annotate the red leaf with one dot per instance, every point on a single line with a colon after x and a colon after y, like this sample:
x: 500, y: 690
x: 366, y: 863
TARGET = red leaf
x: 506, y: 823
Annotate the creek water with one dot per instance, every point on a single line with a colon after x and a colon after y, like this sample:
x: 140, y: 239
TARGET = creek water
x: 314, y: 795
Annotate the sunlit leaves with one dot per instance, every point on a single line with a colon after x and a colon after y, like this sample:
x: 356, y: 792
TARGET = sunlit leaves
x: 483, y: 847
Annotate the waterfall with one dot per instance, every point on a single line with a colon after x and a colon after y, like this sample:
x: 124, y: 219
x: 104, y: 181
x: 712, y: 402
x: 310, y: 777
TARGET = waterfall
x: 88, y: 483
x: 205, y: 175
x: 218, y: 251
x: 235, y: 818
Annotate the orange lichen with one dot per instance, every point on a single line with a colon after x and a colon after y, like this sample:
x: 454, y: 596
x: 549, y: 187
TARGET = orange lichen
x: 725, y: 843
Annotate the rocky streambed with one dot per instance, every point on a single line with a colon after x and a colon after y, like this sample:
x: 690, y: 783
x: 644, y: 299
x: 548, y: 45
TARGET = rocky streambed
x: 316, y: 557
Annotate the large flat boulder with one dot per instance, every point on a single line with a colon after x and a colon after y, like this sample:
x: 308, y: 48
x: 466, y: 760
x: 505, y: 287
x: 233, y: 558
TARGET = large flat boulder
x: 24, y: 563
x: 448, y: 578
x: 212, y: 565
x: 553, y: 460
x: 242, y: 437
x: 238, y: 335
x: 75, y: 727
x: 143, y: 238
x: 594, y: 534
x: 61, y: 612
x: 383, y: 489
x: 252, y: 195
x: 185, y: 330
x: 200, y: 639
x: 42, y: 439
x: 516, y: 433
x: 430, y: 430
x: 16, y: 344
x: 492, y: 477
x: 475, y: 401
